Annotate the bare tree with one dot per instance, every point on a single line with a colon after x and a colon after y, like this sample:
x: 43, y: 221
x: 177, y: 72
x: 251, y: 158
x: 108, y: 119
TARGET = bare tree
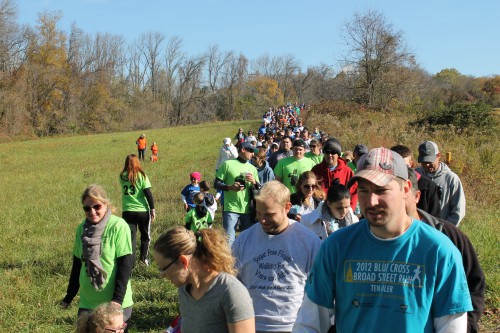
x: 374, y: 48
x: 190, y: 75
x: 152, y: 49
x: 216, y: 61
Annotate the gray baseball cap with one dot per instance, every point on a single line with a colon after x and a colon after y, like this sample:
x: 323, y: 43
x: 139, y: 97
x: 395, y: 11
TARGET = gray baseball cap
x: 427, y: 152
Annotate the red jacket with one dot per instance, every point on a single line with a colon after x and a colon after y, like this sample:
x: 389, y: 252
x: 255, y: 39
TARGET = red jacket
x: 342, y: 172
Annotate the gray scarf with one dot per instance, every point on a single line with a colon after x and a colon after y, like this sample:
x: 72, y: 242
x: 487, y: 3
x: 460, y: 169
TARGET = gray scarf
x: 92, y: 249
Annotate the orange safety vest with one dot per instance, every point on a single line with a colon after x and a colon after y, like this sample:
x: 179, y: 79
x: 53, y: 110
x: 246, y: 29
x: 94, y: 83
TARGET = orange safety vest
x: 154, y: 149
x: 141, y: 143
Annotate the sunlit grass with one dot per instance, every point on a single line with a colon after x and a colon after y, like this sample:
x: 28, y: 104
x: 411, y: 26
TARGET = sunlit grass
x: 43, y: 180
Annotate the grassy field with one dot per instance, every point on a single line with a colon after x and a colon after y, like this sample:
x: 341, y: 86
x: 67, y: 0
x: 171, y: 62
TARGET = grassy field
x: 43, y: 181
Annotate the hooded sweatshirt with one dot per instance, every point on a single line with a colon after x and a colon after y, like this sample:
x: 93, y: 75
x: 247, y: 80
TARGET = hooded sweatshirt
x: 451, y: 193
x: 342, y: 172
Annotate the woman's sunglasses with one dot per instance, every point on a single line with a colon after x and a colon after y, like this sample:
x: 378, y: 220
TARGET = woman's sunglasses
x: 95, y: 207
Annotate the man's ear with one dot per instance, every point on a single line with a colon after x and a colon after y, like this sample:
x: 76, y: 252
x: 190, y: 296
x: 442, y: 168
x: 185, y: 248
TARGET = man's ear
x: 407, y: 188
x: 417, y: 196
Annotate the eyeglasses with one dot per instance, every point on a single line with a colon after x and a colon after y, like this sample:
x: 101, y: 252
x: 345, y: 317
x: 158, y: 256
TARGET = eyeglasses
x: 312, y: 146
x: 96, y: 207
x: 329, y: 152
x: 193, y: 179
x: 164, y: 269
x: 309, y: 187
x: 117, y: 330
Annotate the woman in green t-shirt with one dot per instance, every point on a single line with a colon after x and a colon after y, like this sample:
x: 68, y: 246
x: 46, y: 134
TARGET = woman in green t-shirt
x: 138, y: 208
x: 102, y: 257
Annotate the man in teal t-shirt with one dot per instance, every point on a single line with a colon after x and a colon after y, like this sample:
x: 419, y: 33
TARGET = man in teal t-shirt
x: 389, y: 272
x: 289, y: 169
x: 237, y: 178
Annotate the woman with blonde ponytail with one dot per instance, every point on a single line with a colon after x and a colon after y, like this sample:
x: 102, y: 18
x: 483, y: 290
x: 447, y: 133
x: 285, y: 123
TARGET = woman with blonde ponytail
x: 201, y: 266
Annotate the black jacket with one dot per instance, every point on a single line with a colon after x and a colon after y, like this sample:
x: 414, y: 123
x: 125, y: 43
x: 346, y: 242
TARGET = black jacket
x: 429, y: 196
x: 473, y: 271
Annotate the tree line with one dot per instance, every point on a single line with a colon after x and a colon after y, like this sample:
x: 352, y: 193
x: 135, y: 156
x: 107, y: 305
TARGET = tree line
x: 56, y: 82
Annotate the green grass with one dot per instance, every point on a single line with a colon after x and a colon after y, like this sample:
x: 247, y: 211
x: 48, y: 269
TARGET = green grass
x: 43, y: 181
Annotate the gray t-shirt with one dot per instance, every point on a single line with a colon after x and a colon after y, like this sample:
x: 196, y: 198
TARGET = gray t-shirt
x: 274, y: 268
x: 226, y: 301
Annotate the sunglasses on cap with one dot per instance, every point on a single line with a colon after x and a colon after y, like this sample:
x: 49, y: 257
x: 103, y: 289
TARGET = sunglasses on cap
x: 96, y: 207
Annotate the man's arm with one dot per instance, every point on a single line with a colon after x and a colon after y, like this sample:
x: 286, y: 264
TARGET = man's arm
x: 456, y: 323
x: 312, y: 318
x: 457, y: 210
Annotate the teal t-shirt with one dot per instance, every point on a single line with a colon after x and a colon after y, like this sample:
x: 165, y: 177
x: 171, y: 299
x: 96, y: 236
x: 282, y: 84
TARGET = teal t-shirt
x: 409, y: 280
x: 317, y: 159
x: 116, y: 242
x: 236, y: 202
x: 198, y: 223
x: 289, y: 169
x: 133, y: 198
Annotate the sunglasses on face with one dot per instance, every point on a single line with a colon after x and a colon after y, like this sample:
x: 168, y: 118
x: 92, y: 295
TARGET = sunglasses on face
x: 309, y: 187
x: 117, y: 330
x: 312, y: 146
x: 96, y: 207
x: 164, y: 269
x: 329, y: 152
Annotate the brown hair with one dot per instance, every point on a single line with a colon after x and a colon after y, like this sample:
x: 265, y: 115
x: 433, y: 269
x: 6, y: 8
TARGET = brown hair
x: 131, y: 168
x: 260, y: 157
x: 209, y: 246
x: 100, y: 317
x: 318, y: 192
x: 97, y: 193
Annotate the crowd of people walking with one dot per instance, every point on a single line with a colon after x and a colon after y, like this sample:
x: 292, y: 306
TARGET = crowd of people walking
x: 314, y: 238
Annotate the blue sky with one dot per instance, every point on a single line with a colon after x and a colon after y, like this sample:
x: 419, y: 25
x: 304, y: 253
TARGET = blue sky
x: 461, y: 34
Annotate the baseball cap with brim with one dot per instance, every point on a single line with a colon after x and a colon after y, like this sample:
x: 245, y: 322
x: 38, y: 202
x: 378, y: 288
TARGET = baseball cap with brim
x: 227, y: 141
x: 299, y: 143
x: 248, y: 146
x: 427, y: 152
x: 380, y: 166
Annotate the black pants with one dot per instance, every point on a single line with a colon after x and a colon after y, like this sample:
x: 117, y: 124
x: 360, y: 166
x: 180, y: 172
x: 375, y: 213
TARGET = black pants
x: 142, y: 221
x: 141, y: 153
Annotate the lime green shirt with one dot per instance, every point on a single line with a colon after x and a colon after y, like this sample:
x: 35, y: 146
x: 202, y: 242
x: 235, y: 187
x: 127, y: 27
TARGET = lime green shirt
x: 133, y: 198
x: 198, y: 223
x: 116, y: 242
x: 288, y: 168
x: 317, y: 159
x: 236, y: 201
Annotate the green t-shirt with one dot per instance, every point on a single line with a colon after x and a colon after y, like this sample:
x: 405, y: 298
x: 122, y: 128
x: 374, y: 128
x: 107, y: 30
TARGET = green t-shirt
x: 133, y: 198
x: 116, y: 242
x: 352, y: 166
x: 288, y: 168
x: 236, y: 202
x: 198, y: 223
x: 317, y: 159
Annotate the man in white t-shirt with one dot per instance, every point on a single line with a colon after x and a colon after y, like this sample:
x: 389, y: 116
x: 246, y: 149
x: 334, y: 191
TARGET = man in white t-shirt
x: 273, y: 258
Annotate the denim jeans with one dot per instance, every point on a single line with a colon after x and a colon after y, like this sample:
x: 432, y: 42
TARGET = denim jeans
x: 230, y: 221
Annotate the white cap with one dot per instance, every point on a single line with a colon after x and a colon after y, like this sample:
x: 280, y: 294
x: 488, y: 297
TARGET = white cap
x: 227, y: 141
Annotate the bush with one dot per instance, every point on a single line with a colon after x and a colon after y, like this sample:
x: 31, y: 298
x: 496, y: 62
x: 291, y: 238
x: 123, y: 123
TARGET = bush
x: 460, y: 117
